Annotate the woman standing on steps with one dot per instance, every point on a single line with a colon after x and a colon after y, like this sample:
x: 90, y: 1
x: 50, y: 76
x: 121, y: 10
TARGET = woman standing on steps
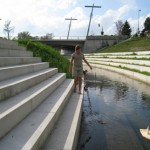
x: 76, y: 62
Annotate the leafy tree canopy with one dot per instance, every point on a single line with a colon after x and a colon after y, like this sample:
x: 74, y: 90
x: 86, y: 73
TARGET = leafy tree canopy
x: 147, y: 24
x: 126, y: 30
x: 24, y: 35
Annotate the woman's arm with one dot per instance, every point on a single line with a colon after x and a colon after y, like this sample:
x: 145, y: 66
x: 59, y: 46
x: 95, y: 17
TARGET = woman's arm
x: 87, y: 62
x: 71, y: 63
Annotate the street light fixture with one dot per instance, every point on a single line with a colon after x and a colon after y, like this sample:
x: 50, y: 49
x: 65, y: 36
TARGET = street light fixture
x: 138, y: 20
x: 0, y: 19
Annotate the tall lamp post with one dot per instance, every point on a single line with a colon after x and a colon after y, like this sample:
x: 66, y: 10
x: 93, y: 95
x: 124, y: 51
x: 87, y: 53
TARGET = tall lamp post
x: 138, y: 20
x: 69, y: 25
x: 99, y: 25
x: 91, y: 16
x: 132, y: 30
x: 0, y: 19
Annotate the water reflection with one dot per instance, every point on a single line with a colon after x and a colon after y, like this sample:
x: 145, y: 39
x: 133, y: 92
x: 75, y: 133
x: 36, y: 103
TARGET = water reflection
x: 113, y: 112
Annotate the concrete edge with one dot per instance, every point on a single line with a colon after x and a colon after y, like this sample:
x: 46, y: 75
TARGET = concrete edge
x: 39, y: 137
x: 8, y: 72
x: 144, y: 63
x: 30, y: 103
x: 123, y: 53
x: 14, y: 88
x: 72, y: 139
x: 131, y: 74
x: 117, y: 64
x: 118, y: 56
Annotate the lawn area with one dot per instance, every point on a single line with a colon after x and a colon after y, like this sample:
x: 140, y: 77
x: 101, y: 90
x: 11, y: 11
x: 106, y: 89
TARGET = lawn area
x: 132, y: 45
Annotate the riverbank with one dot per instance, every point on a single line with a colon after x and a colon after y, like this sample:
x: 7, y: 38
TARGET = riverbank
x: 135, y: 66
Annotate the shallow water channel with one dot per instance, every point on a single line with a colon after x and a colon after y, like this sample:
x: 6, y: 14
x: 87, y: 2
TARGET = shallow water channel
x: 113, y: 112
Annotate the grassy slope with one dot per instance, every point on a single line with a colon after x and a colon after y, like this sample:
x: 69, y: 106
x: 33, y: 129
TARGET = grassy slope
x: 133, y: 45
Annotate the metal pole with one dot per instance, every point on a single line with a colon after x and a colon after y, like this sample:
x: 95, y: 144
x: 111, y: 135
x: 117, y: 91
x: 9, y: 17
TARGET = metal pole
x: 69, y: 28
x: 138, y: 20
x: 91, y: 15
x: 90, y: 21
x: 99, y: 26
x: 0, y: 19
x: 69, y: 25
x: 132, y: 30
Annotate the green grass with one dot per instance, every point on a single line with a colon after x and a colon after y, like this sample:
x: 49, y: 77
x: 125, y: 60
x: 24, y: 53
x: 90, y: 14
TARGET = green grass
x: 133, y: 45
x: 135, y: 70
x: 48, y: 54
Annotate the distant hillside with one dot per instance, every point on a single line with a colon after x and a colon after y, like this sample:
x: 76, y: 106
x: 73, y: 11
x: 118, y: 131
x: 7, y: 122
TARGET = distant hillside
x: 132, y: 45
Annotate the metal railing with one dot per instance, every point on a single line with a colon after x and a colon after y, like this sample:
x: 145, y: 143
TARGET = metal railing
x: 64, y: 38
x: 70, y: 37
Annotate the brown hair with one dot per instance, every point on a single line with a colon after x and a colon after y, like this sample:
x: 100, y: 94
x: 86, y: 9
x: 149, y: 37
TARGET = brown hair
x: 77, y: 47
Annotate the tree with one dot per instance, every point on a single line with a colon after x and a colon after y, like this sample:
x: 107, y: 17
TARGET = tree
x: 126, y: 30
x: 147, y: 24
x: 119, y: 25
x: 8, y: 29
x: 48, y: 36
x: 24, y: 35
x: 146, y: 29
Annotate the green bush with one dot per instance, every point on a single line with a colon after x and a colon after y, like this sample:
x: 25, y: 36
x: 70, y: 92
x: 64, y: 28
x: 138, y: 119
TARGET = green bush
x: 48, y: 54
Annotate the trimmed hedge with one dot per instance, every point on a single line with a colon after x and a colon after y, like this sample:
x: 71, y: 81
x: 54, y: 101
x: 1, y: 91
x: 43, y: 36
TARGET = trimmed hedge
x: 48, y: 54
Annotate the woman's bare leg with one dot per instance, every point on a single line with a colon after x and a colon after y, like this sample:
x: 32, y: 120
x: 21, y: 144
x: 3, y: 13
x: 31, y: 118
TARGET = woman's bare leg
x: 75, y: 83
x: 80, y: 84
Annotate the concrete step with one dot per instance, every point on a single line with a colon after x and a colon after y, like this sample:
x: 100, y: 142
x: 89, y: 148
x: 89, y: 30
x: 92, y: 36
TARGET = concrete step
x: 5, y: 41
x: 130, y: 74
x: 66, y: 132
x: 14, y: 71
x: 11, y: 87
x: 12, y: 47
x: 122, y: 53
x: 120, y: 56
x: 137, y: 67
x: 10, y: 61
x: 31, y: 133
x: 15, y: 109
x: 127, y: 61
x: 15, y: 53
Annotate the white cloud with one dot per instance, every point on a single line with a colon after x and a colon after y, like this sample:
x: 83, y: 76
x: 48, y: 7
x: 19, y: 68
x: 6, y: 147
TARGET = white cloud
x: 78, y: 14
x: 36, y: 14
x: 108, y: 19
x: 63, y: 4
x: 134, y: 23
x: 48, y: 16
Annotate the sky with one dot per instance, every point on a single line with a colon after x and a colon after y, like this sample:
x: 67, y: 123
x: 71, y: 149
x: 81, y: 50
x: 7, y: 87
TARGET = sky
x: 39, y: 17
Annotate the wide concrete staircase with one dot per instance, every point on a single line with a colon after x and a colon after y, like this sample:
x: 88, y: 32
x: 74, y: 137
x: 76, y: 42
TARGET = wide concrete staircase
x: 135, y: 65
x: 38, y: 109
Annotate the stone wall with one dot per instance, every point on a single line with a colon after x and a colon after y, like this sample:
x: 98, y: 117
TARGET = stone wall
x: 94, y: 43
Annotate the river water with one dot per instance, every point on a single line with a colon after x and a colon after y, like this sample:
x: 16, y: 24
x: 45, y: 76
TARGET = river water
x: 114, y: 111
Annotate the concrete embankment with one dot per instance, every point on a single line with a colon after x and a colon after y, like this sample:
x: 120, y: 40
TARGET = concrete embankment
x: 135, y: 66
